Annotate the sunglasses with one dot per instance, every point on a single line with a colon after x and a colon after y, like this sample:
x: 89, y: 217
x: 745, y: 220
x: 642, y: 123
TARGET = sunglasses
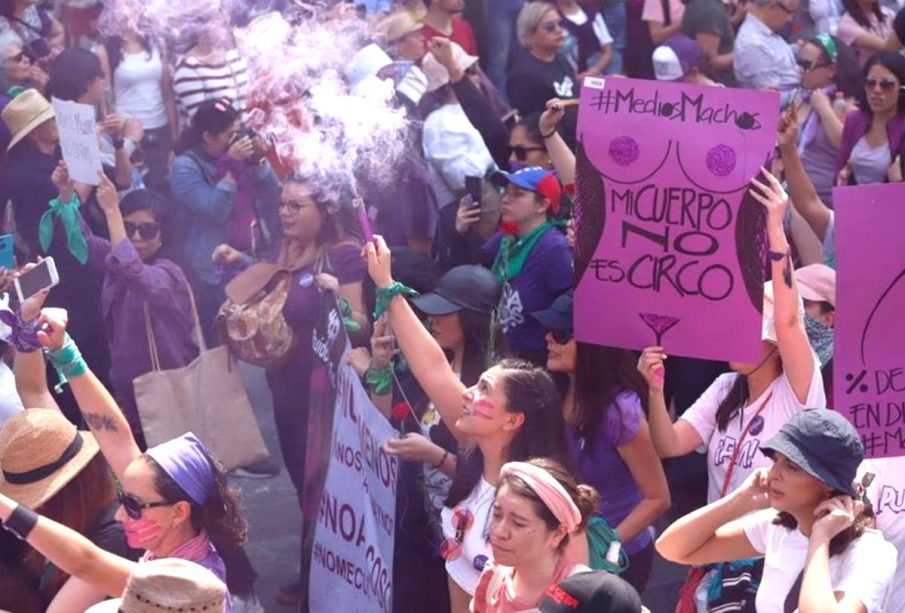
x: 293, y: 206
x: 884, y: 84
x: 807, y: 66
x: 521, y: 153
x: 561, y: 337
x: 147, y: 230
x: 785, y: 9
x: 134, y: 507
x: 552, y: 26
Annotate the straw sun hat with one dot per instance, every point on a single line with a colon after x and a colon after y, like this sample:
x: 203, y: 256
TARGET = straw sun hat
x: 168, y: 584
x: 24, y: 113
x: 40, y: 452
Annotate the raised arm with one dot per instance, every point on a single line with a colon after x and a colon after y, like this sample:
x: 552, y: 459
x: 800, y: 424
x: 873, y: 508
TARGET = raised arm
x: 711, y: 533
x: 426, y: 359
x: 669, y: 439
x: 562, y: 157
x: 100, y: 411
x: 71, y: 552
x: 804, y: 195
x: 797, y: 356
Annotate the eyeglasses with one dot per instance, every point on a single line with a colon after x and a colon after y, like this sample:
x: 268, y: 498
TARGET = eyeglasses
x: 884, y: 84
x: 807, y: 66
x: 133, y: 506
x: 552, y: 26
x: 146, y: 230
x: 561, y: 337
x: 293, y: 206
x: 521, y: 153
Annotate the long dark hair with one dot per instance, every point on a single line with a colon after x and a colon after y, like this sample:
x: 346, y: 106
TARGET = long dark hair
x: 220, y: 516
x: 154, y: 202
x: 529, y: 390
x: 480, y: 344
x: 114, y: 47
x: 601, y: 375
x: 585, y: 497
x: 211, y: 116
x: 894, y: 63
x: 853, y: 8
x: 71, y: 73
x: 840, y: 542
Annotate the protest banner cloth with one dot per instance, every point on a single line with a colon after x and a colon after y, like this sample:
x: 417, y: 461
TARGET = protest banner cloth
x: 77, y: 125
x: 869, y: 362
x: 352, y: 549
x: 670, y: 246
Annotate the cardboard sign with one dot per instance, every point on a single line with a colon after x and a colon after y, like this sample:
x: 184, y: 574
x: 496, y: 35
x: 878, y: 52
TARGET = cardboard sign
x: 670, y: 245
x: 868, y: 355
x: 77, y: 125
x: 352, y: 553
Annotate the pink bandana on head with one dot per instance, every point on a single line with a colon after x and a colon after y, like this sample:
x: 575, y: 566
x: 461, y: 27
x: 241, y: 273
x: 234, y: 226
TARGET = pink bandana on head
x: 548, y: 489
x: 185, y: 461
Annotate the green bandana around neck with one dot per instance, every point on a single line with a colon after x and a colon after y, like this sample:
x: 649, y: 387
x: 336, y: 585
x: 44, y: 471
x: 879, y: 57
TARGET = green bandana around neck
x: 514, y: 251
x: 68, y: 214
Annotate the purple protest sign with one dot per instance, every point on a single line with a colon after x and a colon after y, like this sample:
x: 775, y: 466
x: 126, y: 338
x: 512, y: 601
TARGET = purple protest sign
x: 670, y: 245
x: 868, y: 359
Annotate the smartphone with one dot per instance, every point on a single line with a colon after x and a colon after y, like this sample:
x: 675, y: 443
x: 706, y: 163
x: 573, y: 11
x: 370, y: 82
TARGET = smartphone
x: 42, y: 276
x: 7, y: 247
x: 473, y: 187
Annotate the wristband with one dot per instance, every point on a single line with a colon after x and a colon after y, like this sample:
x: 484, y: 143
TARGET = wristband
x: 442, y: 459
x: 68, y: 362
x: 385, y: 296
x: 380, y: 380
x: 21, y: 522
x: 779, y: 256
x: 119, y: 143
x: 550, y: 135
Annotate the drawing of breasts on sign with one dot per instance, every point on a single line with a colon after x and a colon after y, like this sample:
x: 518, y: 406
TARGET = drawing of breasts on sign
x: 670, y: 244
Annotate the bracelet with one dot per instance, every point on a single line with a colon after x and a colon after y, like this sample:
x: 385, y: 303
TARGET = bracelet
x: 21, y: 522
x: 380, y: 380
x: 119, y: 143
x: 23, y: 334
x: 68, y: 362
x: 385, y: 296
x: 550, y: 135
x: 442, y: 460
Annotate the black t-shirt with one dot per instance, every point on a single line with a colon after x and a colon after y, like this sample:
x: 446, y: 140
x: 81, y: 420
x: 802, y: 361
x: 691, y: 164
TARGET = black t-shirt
x: 532, y: 82
x: 711, y: 17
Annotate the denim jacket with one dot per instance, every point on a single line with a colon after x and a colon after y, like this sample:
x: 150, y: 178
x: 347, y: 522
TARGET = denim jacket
x: 205, y: 201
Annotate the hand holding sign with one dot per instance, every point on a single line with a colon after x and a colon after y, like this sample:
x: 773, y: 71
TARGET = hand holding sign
x: 107, y: 197
x: 62, y: 181
x: 651, y: 367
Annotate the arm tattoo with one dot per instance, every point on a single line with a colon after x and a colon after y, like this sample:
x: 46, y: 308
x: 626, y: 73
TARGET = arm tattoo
x: 100, y: 422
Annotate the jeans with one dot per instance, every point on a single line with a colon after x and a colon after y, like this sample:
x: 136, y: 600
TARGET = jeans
x: 615, y: 18
x: 499, y: 24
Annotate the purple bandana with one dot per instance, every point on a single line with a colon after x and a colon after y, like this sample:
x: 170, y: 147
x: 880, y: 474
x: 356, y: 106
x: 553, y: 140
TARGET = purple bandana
x: 23, y: 335
x: 185, y: 461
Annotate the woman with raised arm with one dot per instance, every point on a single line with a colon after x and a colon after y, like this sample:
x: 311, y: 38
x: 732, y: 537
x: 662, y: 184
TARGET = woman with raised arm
x: 744, y: 407
x: 804, y: 516
x: 174, y: 501
x: 511, y: 414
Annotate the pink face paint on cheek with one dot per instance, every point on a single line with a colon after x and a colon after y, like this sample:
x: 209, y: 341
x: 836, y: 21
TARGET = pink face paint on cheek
x: 487, y: 407
x: 141, y: 531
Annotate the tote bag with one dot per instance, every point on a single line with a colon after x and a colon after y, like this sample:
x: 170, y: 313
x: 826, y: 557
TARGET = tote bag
x: 207, y: 397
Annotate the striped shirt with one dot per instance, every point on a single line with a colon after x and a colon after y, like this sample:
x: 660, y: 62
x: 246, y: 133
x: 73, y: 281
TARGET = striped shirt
x: 195, y: 81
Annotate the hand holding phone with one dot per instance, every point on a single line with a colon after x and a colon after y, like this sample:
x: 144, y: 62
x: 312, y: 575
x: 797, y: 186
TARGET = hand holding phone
x: 473, y: 188
x: 42, y: 276
x: 7, y: 246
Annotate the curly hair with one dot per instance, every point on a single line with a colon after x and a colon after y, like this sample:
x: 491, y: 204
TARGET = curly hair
x: 221, y: 516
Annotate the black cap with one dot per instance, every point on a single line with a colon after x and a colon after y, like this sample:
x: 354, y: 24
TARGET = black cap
x: 824, y: 444
x: 472, y: 288
x: 590, y: 592
x: 559, y: 315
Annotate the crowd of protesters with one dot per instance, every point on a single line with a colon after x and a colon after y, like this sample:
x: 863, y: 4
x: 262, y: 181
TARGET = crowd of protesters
x: 535, y: 469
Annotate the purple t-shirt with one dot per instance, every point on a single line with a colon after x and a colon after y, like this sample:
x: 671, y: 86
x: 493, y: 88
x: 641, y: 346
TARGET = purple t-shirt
x: 547, y: 273
x: 606, y: 470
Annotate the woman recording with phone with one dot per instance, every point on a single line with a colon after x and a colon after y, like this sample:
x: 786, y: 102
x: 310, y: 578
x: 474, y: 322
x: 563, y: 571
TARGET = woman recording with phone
x: 226, y: 193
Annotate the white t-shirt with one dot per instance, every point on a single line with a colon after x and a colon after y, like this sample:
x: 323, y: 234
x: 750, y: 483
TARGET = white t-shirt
x: 721, y: 445
x: 887, y: 495
x: 467, y: 568
x: 10, y: 403
x: 864, y: 570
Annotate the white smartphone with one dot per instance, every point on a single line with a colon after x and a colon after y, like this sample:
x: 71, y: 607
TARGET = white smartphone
x: 42, y: 276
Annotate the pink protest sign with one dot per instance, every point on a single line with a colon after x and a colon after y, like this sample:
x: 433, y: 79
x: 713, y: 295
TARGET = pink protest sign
x: 670, y: 245
x: 868, y: 354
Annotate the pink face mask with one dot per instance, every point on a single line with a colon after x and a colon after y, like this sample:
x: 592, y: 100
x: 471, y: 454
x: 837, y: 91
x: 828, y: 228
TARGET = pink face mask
x: 141, y: 532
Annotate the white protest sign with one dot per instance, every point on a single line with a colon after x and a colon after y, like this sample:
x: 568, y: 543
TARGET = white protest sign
x: 77, y: 125
x: 352, y: 561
